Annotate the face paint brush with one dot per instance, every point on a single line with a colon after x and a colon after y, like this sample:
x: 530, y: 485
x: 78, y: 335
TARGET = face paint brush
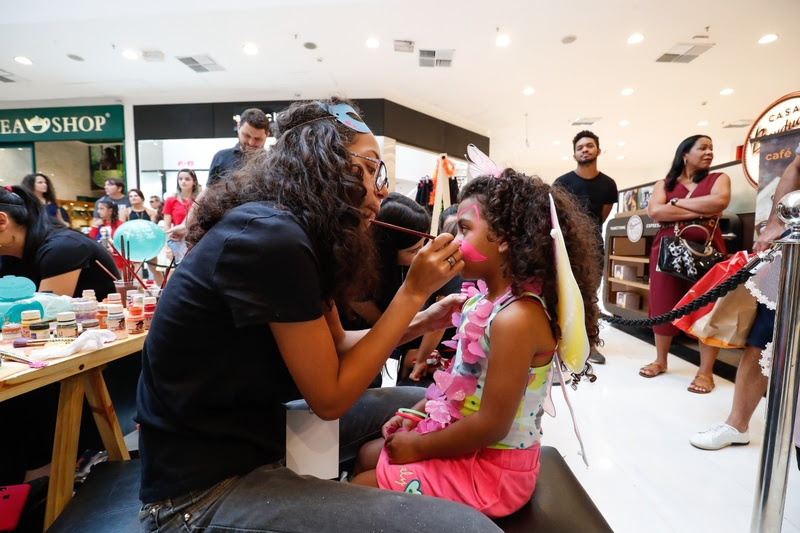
x: 400, y: 228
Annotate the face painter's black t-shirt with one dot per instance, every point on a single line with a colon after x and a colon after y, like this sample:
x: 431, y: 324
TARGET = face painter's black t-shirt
x: 213, y: 381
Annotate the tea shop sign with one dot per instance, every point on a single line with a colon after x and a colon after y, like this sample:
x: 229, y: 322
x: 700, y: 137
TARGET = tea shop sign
x: 62, y: 124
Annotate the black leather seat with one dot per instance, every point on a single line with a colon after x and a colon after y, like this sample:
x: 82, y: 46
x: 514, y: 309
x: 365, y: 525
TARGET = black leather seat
x: 559, y: 503
x: 108, y: 502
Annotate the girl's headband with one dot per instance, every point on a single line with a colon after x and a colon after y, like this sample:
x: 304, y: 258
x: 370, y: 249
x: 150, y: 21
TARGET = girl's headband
x: 480, y: 164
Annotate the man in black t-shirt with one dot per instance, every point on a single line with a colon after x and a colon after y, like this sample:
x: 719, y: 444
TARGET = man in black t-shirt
x: 596, y: 191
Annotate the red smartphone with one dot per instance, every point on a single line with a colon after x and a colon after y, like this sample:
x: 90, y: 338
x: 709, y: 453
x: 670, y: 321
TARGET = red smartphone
x: 12, y: 500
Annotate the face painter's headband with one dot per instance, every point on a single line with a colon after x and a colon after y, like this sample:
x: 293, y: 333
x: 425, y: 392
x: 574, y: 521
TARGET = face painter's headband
x: 343, y: 113
x: 346, y: 115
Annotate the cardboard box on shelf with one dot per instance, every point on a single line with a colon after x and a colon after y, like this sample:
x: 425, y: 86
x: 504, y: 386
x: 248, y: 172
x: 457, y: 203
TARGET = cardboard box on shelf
x: 628, y: 300
x: 625, y: 272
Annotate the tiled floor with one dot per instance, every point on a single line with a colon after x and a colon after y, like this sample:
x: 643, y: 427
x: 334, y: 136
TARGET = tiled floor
x: 644, y: 475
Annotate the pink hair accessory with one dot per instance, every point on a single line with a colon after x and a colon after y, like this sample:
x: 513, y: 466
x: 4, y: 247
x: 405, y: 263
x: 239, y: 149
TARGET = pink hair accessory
x: 480, y: 164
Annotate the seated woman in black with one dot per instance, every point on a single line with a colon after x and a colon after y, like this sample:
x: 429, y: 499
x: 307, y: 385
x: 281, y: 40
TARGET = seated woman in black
x: 396, y: 250
x: 62, y: 261
x: 247, y: 323
x: 57, y: 259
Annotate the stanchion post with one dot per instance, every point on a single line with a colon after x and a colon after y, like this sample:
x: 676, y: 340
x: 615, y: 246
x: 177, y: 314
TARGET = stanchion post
x: 773, y: 470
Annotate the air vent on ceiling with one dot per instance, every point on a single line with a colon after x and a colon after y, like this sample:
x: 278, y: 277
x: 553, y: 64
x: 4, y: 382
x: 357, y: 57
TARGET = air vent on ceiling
x: 7, y: 77
x: 403, y: 46
x: 153, y: 56
x: 201, y: 63
x: 436, y: 58
x: 684, y: 52
x: 585, y: 121
x: 741, y: 123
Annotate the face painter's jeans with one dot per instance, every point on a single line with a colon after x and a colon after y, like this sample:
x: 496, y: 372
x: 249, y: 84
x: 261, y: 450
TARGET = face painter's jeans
x: 275, y: 499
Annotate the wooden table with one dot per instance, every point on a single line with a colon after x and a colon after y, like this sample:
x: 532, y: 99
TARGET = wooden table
x: 78, y: 374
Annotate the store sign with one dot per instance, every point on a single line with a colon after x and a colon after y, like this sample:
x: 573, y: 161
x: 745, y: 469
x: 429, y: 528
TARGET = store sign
x: 61, y: 124
x: 781, y: 116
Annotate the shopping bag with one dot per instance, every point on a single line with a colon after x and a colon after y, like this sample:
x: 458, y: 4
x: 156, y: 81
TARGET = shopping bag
x: 726, y: 322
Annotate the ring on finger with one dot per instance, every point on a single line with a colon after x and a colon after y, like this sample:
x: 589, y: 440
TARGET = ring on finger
x: 451, y: 261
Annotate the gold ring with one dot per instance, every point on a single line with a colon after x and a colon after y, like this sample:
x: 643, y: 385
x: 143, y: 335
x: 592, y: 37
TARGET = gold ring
x: 451, y: 261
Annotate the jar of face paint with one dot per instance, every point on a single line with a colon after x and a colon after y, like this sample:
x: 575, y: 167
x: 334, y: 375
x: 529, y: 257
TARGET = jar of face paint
x: 29, y: 317
x: 66, y: 325
x: 39, y: 330
x: 116, y: 321
x: 11, y: 331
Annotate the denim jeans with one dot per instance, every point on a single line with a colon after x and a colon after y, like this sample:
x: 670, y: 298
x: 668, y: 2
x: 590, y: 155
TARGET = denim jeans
x: 273, y: 498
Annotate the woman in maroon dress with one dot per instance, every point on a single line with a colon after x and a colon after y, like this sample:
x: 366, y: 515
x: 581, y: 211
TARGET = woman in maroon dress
x: 688, y: 195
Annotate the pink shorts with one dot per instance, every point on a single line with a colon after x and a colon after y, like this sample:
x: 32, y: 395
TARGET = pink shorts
x: 495, y: 482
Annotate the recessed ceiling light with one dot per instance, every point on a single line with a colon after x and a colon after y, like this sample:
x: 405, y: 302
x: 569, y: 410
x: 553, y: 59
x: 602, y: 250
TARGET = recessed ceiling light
x: 130, y: 54
x: 726, y: 92
x: 23, y: 60
x: 75, y: 57
x: 528, y: 91
x: 310, y: 46
x: 624, y: 123
x: 569, y: 39
x: 768, y: 38
x: 250, y: 49
x: 635, y: 38
x: 620, y: 156
x: 372, y: 42
x: 621, y: 143
x: 556, y: 142
x: 702, y: 123
x: 564, y: 158
x: 502, y: 40
x: 627, y: 91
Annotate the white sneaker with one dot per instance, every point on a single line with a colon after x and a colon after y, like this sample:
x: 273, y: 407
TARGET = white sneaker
x: 718, y: 437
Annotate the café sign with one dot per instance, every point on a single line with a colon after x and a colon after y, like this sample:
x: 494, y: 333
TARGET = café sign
x: 781, y: 116
x: 62, y: 124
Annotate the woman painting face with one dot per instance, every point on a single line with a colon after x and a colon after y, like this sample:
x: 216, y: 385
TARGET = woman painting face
x: 364, y: 152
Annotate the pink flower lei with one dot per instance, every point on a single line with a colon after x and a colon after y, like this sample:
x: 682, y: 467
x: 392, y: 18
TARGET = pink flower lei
x: 446, y: 395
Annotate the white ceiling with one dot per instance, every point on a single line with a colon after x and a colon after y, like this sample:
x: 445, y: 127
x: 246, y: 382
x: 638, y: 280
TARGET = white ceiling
x: 483, y: 89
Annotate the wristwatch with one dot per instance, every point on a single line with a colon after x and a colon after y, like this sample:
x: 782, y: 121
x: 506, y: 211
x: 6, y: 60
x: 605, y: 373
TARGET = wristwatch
x: 674, y: 201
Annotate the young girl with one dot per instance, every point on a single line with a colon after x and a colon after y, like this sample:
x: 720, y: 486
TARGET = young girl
x: 108, y: 214
x: 475, y: 437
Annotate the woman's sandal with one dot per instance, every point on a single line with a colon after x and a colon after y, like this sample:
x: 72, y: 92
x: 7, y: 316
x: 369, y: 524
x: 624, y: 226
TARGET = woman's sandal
x: 652, y: 370
x: 701, y: 384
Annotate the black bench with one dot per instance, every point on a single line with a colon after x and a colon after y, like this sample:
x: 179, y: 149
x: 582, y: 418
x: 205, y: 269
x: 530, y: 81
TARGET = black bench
x: 108, y: 502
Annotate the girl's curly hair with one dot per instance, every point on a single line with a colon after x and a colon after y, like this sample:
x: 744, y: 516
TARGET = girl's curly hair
x: 517, y: 209
x: 309, y: 173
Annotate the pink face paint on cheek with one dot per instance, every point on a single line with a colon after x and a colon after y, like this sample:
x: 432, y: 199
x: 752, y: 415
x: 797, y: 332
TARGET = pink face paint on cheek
x: 468, y: 251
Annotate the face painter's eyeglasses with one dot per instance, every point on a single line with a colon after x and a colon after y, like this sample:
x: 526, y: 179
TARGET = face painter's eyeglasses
x: 381, y: 174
